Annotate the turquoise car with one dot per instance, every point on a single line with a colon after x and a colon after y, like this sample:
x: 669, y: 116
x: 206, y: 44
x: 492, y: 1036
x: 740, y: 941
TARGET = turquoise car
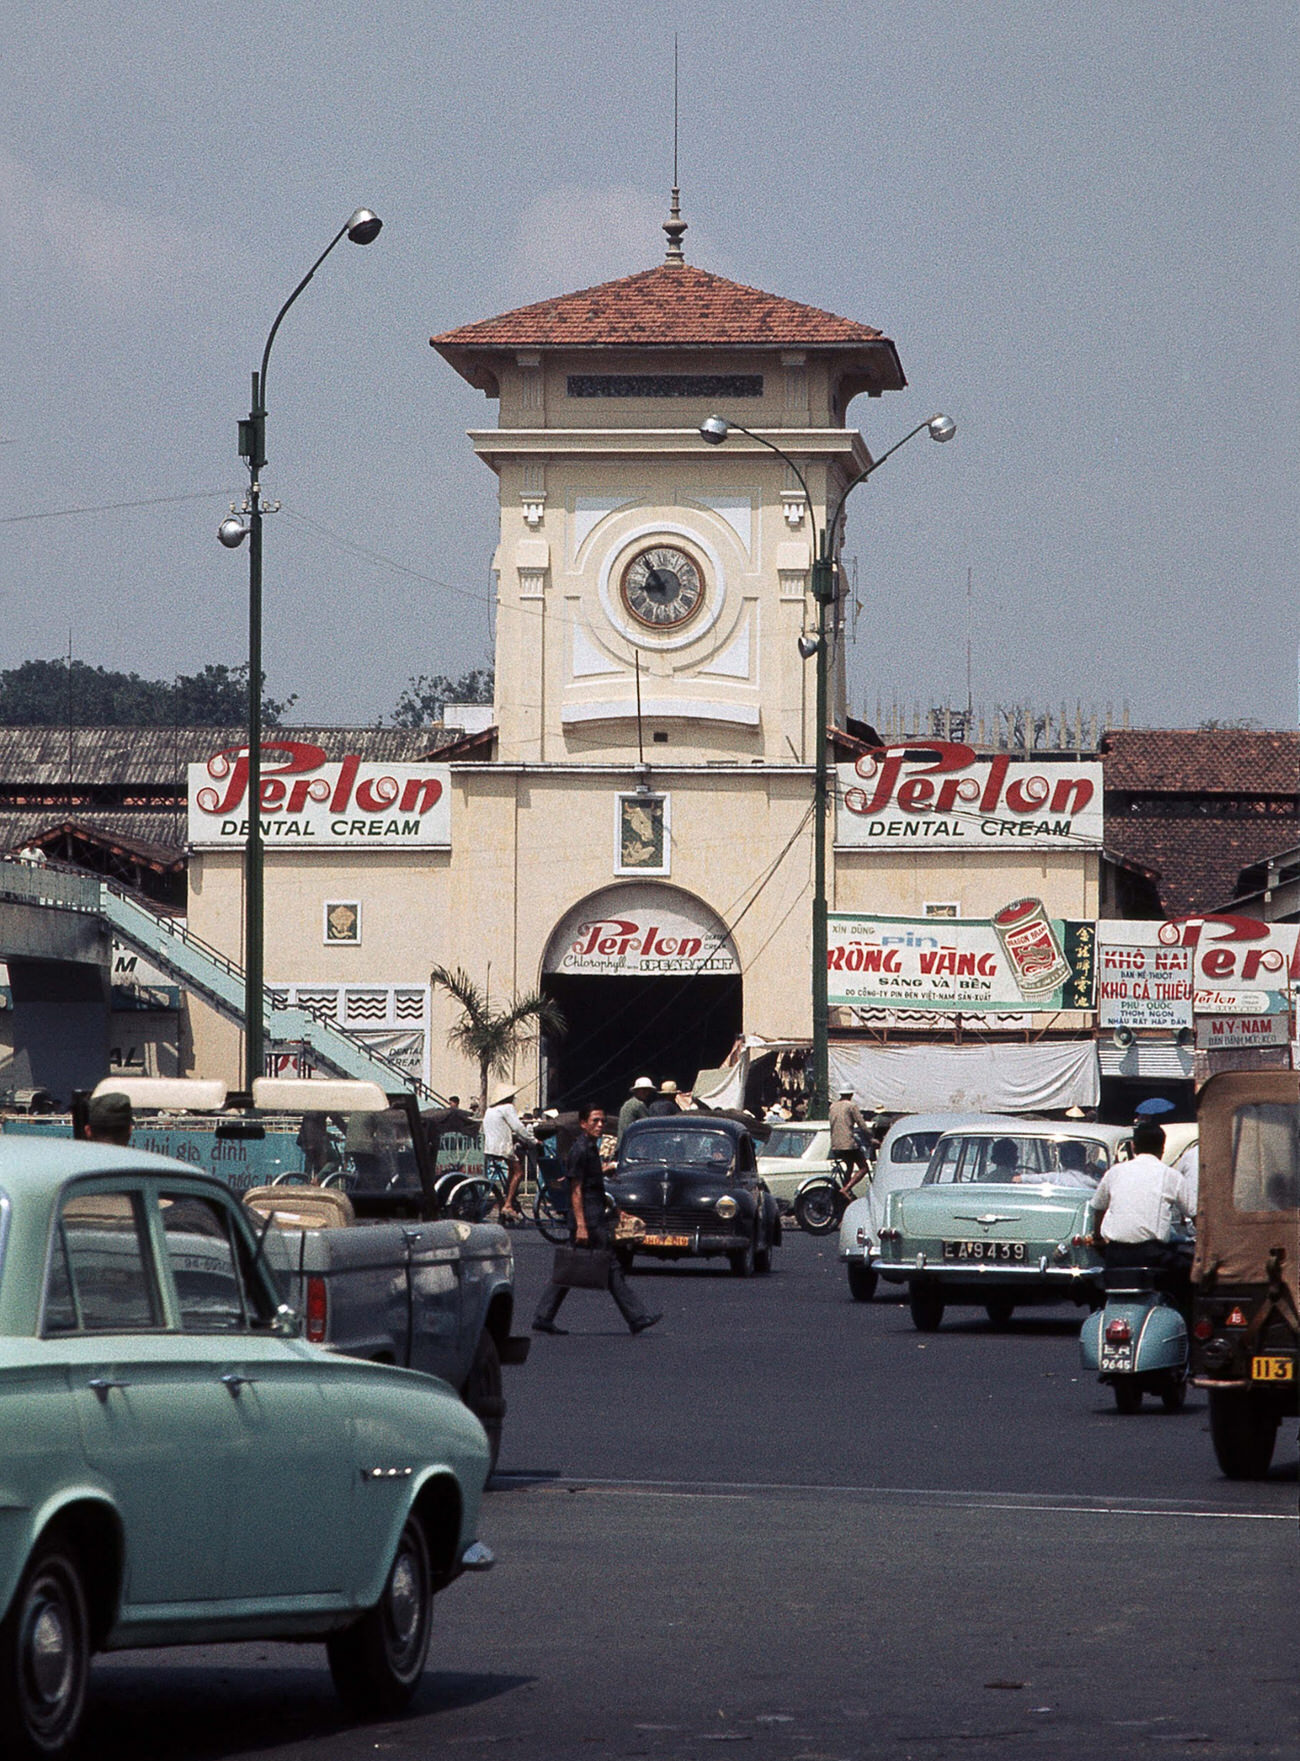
x: 178, y: 1465
x: 1002, y: 1219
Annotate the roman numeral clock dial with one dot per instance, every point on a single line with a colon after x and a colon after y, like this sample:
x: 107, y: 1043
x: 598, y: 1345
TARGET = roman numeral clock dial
x: 662, y: 587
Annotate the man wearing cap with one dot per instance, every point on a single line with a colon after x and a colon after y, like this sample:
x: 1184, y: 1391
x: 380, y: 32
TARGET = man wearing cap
x: 502, y: 1126
x: 846, y: 1123
x: 666, y: 1106
x: 108, y: 1119
x: 636, y: 1106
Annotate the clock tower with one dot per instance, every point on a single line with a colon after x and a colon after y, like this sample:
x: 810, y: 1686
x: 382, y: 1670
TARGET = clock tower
x: 652, y: 589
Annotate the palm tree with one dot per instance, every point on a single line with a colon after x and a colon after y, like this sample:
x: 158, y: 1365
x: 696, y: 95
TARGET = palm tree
x: 492, y: 1037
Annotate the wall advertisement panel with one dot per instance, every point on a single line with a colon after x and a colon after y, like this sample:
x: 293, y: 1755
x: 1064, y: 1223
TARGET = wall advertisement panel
x: 1239, y: 965
x: 939, y: 794
x: 1019, y: 960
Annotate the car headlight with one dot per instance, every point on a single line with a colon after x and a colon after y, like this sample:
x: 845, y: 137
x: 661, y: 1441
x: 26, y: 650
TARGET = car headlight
x: 726, y: 1206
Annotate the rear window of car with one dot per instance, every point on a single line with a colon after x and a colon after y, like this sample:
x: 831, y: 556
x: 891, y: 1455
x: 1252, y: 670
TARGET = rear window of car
x: 712, y: 1148
x: 914, y: 1146
x: 1266, y: 1156
x: 788, y: 1142
x: 1056, y: 1161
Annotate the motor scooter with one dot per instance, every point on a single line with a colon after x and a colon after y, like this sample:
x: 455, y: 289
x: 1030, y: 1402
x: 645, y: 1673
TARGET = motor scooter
x: 1137, y: 1340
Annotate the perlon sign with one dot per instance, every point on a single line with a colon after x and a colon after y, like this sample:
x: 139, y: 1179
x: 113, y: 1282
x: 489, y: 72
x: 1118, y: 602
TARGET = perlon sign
x: 940, y: 794
x: 641, y: 931
x: 1240, y: 965
x: 309, y: 803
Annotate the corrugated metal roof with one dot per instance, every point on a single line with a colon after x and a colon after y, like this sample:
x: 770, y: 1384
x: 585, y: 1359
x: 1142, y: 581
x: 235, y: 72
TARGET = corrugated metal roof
x: 122, y: 756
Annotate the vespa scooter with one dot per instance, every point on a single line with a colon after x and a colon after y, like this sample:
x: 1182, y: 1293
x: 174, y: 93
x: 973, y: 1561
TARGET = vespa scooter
x: 1137, y: 1341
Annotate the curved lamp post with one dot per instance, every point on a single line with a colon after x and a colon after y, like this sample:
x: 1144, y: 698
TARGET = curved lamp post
x: 361, y: 228
x: 715, y: 430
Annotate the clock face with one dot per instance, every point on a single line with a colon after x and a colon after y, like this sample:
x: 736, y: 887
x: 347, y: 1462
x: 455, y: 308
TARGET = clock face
x: 662, y: 587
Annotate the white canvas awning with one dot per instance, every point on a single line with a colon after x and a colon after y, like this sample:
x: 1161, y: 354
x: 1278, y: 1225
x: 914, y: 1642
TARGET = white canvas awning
x: 999, y: 1078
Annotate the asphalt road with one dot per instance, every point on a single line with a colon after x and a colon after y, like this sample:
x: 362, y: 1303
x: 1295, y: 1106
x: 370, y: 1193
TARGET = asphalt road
x: 789, y: 1521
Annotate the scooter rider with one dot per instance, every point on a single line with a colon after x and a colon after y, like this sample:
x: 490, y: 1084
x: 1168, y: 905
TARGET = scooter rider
x: 1140, y: 1207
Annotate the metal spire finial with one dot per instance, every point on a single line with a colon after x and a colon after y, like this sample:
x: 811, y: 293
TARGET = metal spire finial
x: 675, y: 226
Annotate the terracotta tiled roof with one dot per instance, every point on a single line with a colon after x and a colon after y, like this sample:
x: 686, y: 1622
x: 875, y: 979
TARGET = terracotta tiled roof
x: 1230, y: 761
x: 672, y: 305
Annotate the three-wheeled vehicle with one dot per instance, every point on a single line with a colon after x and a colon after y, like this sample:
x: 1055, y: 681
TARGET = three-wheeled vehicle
x: 1245, y: 1330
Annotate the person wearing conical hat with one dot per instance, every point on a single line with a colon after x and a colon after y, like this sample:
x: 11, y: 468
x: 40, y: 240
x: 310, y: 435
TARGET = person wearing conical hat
x: 502, y: 1129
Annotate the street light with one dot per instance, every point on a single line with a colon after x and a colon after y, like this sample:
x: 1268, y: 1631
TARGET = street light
x: 813, y: 644
x: 361, y: 228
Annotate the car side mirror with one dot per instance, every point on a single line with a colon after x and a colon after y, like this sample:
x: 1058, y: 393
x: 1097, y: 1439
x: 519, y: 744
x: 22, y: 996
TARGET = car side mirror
x: 287, y: 1323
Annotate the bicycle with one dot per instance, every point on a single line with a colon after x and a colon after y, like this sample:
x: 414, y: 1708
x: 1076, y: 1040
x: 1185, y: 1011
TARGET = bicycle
x: 551, y: 1210
x: 821, y: 1201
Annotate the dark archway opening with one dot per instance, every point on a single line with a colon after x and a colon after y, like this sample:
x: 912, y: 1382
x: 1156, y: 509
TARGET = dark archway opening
x: 622, y: 1028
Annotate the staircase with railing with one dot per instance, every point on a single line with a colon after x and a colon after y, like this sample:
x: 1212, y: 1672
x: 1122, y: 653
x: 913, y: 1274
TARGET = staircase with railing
x: 202, y: 970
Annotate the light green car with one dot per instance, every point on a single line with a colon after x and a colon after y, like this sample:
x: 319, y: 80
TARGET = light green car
x: 178, y: 1466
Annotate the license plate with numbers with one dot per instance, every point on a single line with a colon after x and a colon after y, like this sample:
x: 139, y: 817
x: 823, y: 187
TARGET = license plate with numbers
x: 1272, y: 1369
x: 984, y: 1250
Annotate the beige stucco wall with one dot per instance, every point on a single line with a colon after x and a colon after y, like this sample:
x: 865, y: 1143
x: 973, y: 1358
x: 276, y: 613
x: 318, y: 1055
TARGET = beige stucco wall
x: 901, y: 883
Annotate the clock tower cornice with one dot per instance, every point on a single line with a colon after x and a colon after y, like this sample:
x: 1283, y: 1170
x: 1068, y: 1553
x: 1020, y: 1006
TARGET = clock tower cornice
x: 497, y: 445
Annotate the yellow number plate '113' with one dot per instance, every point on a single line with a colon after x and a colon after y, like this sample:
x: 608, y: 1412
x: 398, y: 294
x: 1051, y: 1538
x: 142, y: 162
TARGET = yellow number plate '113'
x: 1272, y: 1369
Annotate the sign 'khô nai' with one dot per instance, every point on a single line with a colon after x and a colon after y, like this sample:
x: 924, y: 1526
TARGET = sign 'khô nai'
x: 942, y: 794
x: 310, y: 804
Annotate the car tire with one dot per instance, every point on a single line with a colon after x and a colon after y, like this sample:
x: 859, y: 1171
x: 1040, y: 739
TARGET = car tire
x: 927, y: 1307
x: 743, y: 1260
x: 999, y: 1310
x: 763, y: 1256
x: 377, y: 1662
x: 815, y: 1209
x: 862, y: 1281
x: 44, y: 1657
x: 483, y: 1394
x: 1128, y: 1395
x: 1244, y: 1434
x: 1173, y: 1392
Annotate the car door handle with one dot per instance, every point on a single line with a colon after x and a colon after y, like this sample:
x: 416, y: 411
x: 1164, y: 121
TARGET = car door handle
x: 103, y: 1385
x: 234, y: 1383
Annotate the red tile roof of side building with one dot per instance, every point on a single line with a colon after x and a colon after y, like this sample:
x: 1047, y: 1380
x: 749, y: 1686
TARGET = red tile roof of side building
x: 674, y: 305
x: 1193, y: 761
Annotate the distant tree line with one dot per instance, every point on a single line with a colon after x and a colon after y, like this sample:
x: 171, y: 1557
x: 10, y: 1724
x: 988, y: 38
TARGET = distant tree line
x: 424, y: 699
x: 56, y: 694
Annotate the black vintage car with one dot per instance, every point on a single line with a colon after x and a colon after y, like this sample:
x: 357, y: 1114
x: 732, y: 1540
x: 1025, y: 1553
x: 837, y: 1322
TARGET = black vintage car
x: 693, y: 1181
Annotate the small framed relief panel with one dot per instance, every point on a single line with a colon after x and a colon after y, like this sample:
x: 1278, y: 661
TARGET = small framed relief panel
x: 641, y: 834
x: 343, y: 922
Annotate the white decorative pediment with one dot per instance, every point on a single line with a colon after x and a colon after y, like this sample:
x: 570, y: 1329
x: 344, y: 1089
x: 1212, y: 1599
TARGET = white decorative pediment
x: 588, y: 660
x: 733, y: 662
x: 590, y: 510
x: 737, y: 511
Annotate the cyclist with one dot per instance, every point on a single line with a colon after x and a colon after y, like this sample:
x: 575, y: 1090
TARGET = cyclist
x: 848, y: 1127
x: 502, y: 1126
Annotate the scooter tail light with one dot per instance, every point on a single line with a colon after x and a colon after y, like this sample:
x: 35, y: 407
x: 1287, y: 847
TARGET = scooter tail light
x: 317, y: 1310
x: 1119, y: 1333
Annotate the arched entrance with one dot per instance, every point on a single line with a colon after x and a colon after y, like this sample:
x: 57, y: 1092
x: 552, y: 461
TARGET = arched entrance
x: 649, y: 981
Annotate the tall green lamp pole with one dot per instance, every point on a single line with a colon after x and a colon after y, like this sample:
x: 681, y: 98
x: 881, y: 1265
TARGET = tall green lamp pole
x: 361, y: 228
x: 825, y: 592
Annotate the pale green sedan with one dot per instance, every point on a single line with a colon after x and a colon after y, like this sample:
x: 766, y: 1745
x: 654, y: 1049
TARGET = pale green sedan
x: 178, y: 1466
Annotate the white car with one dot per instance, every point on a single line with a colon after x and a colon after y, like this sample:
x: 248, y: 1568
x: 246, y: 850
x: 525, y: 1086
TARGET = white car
x: 793, y: 1152
x: 902, y: 1162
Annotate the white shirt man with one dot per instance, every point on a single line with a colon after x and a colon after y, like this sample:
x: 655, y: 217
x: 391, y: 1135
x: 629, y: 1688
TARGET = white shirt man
x: 1144, y: 1200
x: 501, y: 1126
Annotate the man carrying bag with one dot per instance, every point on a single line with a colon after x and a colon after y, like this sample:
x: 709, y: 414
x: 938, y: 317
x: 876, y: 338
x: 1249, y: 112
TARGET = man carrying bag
x: 589, y: 1263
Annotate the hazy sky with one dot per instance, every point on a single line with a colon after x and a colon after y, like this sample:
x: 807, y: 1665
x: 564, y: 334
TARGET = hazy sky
x: 1077, y: 223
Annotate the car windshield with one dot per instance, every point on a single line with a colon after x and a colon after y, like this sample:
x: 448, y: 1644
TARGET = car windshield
x: 1008, y: 1159
x: 357, y: 1152
x: 1266, y: 1156
x: 789, y: 1142
x: 692, y: 1148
